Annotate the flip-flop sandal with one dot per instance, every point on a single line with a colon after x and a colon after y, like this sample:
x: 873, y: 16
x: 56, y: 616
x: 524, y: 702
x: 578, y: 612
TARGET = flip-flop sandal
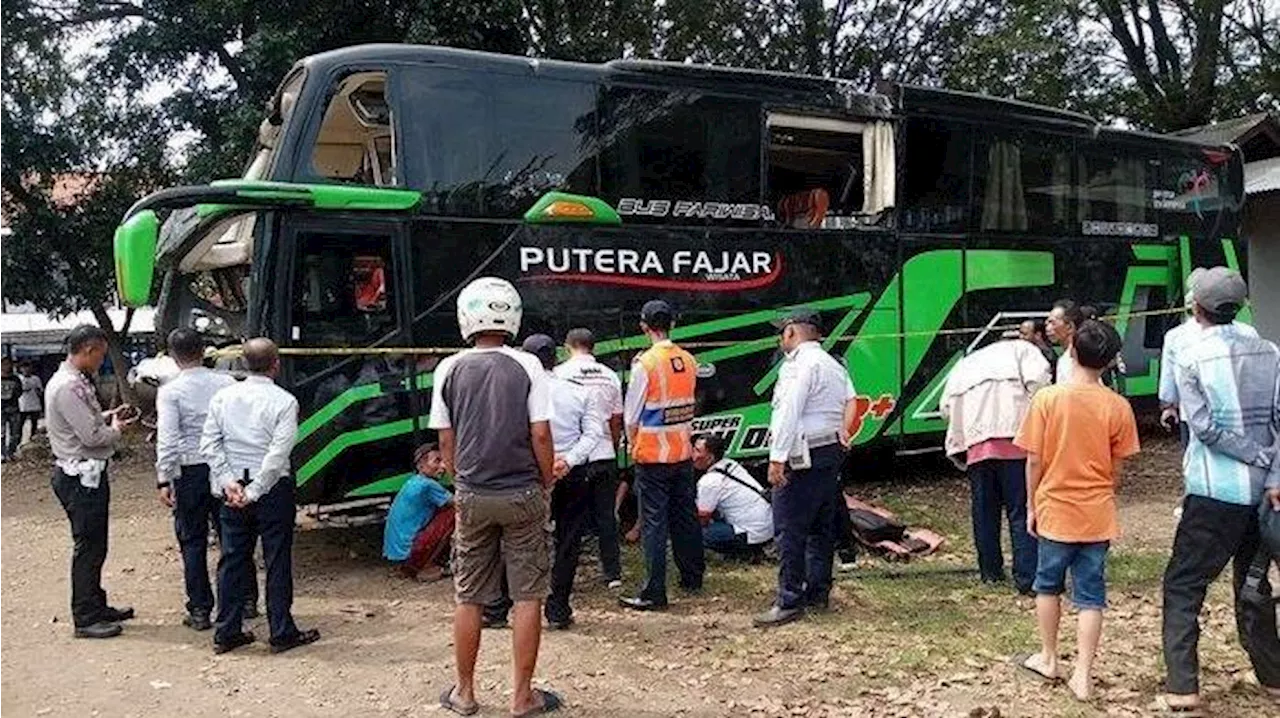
x: 550, y: 702
x: 1020, y: 662
x: 448, y: 703
x: 1163, y: 708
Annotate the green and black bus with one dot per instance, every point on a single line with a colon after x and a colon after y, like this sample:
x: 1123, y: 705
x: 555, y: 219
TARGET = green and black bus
x: 387, y: 176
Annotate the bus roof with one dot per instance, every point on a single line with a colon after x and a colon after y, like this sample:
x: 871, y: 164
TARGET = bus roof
x: 779, y: 87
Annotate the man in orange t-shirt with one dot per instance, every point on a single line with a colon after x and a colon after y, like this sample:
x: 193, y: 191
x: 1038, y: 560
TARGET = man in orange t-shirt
x: 1076, y: 435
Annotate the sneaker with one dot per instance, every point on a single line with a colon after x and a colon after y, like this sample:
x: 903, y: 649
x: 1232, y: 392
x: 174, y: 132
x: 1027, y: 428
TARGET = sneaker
x: 776, y: 616
x: 561, y: 625
x: 494, y: 622
x: 615, y: 584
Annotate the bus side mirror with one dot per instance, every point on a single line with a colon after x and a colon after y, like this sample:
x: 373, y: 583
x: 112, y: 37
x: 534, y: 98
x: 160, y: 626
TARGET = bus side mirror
x: 135, y: 255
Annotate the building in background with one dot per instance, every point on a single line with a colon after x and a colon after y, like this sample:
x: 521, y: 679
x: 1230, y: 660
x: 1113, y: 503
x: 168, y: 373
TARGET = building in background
x: 1258, y: 137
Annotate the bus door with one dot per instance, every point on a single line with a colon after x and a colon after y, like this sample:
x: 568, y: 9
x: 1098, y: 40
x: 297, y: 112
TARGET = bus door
x: 345, y: 306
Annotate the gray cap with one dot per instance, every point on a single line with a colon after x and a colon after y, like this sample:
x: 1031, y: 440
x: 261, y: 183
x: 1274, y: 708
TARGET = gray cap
x: 1220, y: 290
x: 1191, y: 281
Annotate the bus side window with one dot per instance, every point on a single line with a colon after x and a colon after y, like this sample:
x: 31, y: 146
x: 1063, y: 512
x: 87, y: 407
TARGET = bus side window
x: 936, y: 177
x: 1116, y: 185
x: 679, y: 145
x: 341, y: 290
x: 1023, y: 182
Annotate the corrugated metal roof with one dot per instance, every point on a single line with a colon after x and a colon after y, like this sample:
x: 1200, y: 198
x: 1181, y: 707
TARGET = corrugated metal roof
x: 1262, y: 176
x: 1224, y: 132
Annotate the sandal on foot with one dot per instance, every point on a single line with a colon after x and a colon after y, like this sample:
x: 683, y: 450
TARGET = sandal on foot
x: 1022, y: 662
x: 448, y: 703
x: 550, y: 702
x: 1164, y: 708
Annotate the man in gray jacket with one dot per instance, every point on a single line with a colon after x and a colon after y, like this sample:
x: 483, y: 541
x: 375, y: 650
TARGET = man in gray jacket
x: 83, y: 437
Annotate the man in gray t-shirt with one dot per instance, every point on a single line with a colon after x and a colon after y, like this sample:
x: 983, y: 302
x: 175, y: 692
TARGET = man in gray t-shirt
x: 492, y: 408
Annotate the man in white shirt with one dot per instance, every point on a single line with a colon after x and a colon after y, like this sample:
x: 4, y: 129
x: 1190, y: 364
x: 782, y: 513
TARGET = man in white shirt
x: 248, y: 435
x: 813, y: 407
x: 182, y: 474
x: 602, y: 464
x: 737, y: 520
x: 1061, y: 326
x: 577, y: 427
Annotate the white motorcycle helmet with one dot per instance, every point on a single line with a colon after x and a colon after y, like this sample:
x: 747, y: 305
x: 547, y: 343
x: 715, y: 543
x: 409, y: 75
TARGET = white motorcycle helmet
x: 489, y: 304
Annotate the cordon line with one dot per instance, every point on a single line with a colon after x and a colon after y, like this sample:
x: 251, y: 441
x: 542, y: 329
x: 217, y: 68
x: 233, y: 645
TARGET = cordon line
x: 236, y: 350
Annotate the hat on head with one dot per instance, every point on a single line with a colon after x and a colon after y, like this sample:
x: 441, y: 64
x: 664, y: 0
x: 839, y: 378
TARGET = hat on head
x: 657, y: 313
x: 799, y: 315
x: 1191, y: 281
x: 543, y: 347
x: 1220, y: 290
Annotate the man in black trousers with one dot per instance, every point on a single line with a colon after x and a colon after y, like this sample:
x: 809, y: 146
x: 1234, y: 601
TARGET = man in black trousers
x: 248, y: 435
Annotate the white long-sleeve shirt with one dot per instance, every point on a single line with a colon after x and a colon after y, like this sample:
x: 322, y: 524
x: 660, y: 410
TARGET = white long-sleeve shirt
x: 252, y: 426
x: 603, y: 382
x: 577, y: 420
x: 808, y: 400
x: 182, y: 404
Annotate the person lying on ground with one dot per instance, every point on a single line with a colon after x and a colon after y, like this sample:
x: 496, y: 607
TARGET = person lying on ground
x: 421, y: 519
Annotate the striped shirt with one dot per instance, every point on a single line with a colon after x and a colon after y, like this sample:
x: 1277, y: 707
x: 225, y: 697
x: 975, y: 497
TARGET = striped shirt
x: 1229, y: 388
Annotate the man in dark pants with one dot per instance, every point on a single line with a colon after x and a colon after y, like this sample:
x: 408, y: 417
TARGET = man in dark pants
x: 1228, y: 388
x: 658, y: 414
x: 602, y: 466
x: 9, y: 394
x: 182, y: 476
x: 247, y: 438
x: 813, y: 407
x: 986, y: 398
x: 83, y: 438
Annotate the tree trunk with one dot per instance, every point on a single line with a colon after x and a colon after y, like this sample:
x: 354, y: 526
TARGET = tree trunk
x: 115, y: 349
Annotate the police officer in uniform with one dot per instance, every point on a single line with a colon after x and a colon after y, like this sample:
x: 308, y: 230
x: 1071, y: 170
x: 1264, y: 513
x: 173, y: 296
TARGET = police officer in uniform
x: 658, y: 414
x: 813, y: 403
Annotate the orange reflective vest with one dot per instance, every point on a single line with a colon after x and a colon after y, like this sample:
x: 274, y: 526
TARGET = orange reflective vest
x: 664, y: 434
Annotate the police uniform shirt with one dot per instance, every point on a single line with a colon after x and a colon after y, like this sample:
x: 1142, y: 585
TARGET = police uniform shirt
x: 808, y: 401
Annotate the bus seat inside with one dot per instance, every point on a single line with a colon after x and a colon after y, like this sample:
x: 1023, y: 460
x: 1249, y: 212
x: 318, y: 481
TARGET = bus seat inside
x: 825, y: 169
x: 354, y: 142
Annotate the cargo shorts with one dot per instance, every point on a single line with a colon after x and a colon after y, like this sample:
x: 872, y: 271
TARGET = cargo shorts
x: 501, y: 532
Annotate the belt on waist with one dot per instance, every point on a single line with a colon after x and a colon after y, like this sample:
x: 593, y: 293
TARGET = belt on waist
x: 827, y: 438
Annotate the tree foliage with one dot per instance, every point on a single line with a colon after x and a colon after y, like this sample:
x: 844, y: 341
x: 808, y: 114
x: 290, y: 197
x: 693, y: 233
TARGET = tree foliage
x: 77, y: 76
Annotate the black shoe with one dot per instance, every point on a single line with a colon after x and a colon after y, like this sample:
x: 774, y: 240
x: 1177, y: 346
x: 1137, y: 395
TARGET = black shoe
x: 494, y: 622
x: 819, y: 605
x: 301, y: 638
x: 198, y: 620
x: 562, y: 624
x: 642, y: 604
x: 237, y: 641
x: 776, y: 616
x: 116, y: 615
x: 1027, y: 591
x: 101, y: 629
x: 251, y: 611
x: 692, y: 590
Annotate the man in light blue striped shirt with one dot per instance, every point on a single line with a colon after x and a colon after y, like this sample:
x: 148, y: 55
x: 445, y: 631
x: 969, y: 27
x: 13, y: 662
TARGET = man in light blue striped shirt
x: 1229, y: 389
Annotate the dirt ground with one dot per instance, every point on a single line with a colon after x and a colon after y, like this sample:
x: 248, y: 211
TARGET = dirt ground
x: 924, y: 639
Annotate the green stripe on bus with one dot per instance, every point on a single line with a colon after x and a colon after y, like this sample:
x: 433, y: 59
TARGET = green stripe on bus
x: 339, y: 404
x: 1233, y: 262
x: 352, y: 438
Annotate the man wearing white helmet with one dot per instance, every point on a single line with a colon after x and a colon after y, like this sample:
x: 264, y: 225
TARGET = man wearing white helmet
x: 492, y: 408
x: 1176, y: 340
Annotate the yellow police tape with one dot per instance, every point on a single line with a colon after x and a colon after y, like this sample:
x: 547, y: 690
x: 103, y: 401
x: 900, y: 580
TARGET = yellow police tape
x: 366, y: 351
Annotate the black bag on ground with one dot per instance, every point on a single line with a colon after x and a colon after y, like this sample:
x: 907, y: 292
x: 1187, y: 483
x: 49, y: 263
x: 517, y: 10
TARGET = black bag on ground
x: 873, y: 528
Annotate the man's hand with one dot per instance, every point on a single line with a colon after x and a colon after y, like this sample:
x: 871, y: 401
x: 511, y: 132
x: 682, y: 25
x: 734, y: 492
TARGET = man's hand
x: 1274, y: 496
x: 1169, y: 419
x: 845, y: 438
x: 560, y: 468
x: 777, y: 474
x: 166, y: 496
x: 1031, y: 522
x: 235, y: 496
